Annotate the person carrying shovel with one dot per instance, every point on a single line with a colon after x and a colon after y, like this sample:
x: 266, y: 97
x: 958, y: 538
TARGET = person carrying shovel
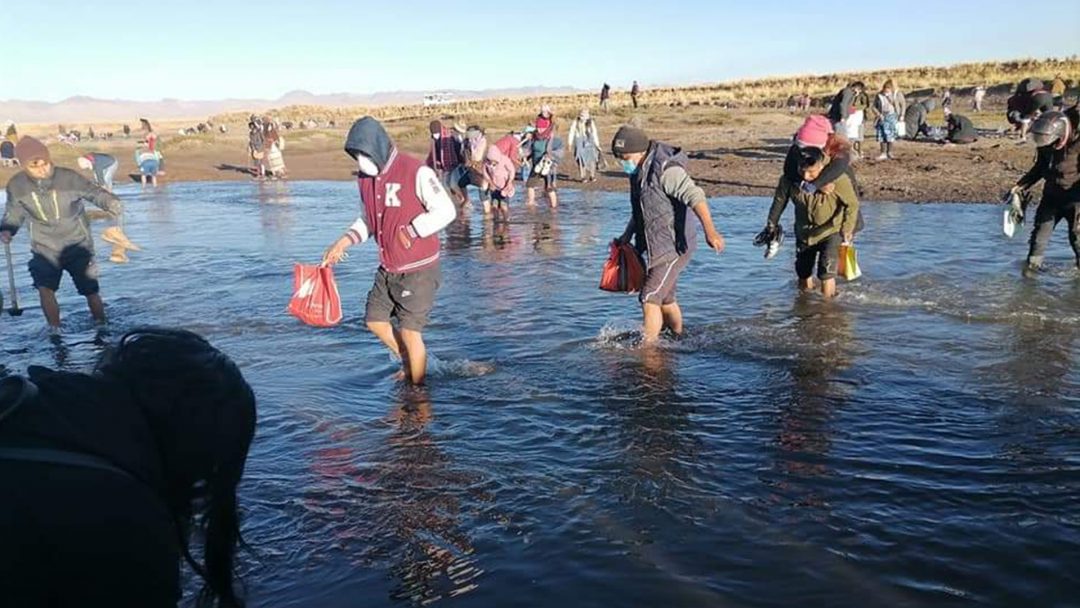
x: 52, y: 199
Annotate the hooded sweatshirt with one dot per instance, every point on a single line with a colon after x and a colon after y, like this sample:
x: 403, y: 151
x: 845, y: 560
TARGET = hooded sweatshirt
x: 499, y: 170
x: 405, y: 197
x: 55, y: 209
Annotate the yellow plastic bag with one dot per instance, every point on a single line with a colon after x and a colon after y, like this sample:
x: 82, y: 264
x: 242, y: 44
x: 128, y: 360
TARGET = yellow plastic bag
x: 849, y: 262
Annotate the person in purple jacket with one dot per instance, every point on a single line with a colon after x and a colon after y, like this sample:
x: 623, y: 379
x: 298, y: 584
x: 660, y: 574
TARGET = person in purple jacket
x: 405, y: 207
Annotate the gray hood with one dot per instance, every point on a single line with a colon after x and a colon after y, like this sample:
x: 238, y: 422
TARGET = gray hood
x: 368, y: 137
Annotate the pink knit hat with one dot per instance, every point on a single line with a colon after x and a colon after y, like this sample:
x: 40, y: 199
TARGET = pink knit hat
x: 814, y: 132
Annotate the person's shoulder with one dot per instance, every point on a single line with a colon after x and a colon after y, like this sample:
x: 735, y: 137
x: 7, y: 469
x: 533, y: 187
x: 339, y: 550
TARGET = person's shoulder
x: 63, y: 175
x: 20, y: 181
x: 845, y: 189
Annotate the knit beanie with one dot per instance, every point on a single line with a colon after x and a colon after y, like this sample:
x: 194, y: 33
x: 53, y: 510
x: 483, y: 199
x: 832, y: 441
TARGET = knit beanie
x: 814, y: 132
x: 29, y: 149
x: 629, y: 140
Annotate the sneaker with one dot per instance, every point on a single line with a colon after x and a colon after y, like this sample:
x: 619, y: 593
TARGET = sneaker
x: 883, y: 157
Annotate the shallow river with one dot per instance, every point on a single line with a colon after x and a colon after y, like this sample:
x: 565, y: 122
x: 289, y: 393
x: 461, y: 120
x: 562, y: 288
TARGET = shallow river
x: 915, y: 443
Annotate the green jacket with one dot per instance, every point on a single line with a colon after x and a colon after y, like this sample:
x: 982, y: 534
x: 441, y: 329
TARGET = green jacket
x: 818, y: 215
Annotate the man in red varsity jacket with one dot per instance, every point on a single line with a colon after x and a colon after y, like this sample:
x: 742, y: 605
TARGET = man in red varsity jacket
x: 405, y: 207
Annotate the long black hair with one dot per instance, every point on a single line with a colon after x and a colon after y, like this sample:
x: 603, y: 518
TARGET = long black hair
x: 202, y: 414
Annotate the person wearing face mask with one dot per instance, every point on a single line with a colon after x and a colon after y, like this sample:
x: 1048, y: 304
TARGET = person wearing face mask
x: 405, y: 207
x: 1058, y: 162
x: 444, y: 154
x: 51, y: 198
x: 661, y: 193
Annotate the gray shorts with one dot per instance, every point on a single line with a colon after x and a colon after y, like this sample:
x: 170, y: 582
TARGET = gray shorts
x: 660, y: 280
x: 407, y: 296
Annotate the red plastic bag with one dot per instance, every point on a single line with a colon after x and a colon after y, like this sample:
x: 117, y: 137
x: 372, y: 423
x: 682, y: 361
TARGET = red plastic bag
x: 624, y: 272
x: 315, y: 298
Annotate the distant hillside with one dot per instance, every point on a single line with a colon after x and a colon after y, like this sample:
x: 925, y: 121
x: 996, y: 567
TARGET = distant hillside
x: 88, y: 109
x: 1000, y: 78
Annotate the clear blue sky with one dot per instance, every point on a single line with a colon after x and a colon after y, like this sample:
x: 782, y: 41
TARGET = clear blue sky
x: 205, y: 49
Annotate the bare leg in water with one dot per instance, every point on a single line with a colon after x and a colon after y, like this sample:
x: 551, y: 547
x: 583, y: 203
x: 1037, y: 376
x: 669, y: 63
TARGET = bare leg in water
x: 407, y: 344
x: 416, y: 362
x: 672, y: 317
x: 49, y: 307
x: 96, y: 306
x: 390, y: 337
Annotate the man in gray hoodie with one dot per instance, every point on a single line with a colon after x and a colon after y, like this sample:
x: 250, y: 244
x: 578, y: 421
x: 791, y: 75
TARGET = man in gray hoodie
x: 52, y: 199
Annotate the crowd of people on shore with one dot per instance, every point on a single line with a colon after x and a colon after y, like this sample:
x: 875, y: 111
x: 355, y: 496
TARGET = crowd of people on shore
x: 893, y: 118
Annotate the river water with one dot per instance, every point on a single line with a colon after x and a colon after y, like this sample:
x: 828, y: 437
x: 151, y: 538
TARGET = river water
x: 914, y: 443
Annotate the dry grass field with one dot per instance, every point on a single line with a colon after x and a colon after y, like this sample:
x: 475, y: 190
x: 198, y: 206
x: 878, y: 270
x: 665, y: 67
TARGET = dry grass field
x: 735, y: 132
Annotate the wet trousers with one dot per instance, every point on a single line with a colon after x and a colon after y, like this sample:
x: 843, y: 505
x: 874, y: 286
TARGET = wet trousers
x: 1054, y: 207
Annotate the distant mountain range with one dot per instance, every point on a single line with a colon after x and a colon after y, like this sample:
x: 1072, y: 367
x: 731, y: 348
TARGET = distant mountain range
x: 89, y: 109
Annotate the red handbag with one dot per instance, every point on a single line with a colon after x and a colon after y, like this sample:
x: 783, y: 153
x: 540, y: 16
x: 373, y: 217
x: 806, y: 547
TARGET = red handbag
x: 624, y: 272
x: 315, y: 298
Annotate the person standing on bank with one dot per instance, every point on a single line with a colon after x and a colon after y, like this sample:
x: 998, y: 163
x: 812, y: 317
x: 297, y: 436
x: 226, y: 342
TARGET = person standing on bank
x: 405, y: 207
x: 661, y: 192
x: 52, y: 199
x: 635, y: 91
x: 584, y: 140
x: 888, y: 113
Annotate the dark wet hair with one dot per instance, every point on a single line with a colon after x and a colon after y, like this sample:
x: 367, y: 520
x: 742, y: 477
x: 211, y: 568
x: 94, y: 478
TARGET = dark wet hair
x: 202, y: 414
x: 808, y: 157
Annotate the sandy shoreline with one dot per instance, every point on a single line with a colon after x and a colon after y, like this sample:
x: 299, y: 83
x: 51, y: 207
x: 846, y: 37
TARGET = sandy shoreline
x: 731, y: 155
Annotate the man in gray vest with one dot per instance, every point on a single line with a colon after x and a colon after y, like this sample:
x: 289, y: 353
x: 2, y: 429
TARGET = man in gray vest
x: 661, y: 192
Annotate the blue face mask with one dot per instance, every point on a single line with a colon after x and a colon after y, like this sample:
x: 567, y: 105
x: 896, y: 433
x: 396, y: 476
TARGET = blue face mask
x: 628, y: 167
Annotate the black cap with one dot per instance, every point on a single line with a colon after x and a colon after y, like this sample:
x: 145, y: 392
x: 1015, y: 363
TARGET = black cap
x: 629, y: 140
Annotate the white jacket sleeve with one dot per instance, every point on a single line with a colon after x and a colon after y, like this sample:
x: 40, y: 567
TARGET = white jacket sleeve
x: 440, y: 209
x: 358, y: 231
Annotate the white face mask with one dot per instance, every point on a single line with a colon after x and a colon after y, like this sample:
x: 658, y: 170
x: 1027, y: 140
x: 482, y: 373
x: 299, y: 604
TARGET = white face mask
x: 367, y: 166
